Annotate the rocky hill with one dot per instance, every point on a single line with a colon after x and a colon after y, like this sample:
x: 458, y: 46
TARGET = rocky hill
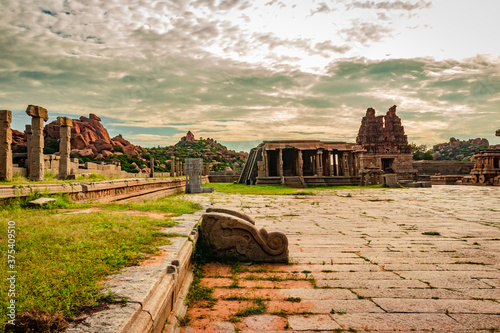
x: 90, y: 141
x: 459, y: 150
x: 219, y: 157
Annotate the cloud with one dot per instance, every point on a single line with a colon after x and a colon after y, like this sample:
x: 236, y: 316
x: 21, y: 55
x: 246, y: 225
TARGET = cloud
x: 365, y: 32
x: 390, y: 5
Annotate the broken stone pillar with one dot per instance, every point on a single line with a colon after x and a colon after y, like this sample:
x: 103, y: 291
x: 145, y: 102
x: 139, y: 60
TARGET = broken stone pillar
x: 172, y: 167
x: 38, y: 117
x: 152, y: 167
x: 5, y: 145
x: 28, y: 146
x: 194, y: 169
x: 65, y: 125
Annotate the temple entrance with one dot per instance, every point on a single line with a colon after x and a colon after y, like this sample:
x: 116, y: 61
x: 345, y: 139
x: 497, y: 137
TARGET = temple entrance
x: 272, y: 162
x: 309, y: 158
x: 387, y: 165
x: 289, y: 162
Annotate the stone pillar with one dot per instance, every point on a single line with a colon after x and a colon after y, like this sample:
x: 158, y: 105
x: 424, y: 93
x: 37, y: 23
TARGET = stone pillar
x: 152, y: 167
x: 300, y: 164
x: 172, y: 167
x: 340, y: 164
x: 27, y: 131
x: 181, y: 168
x: 266, y: 162
x: 65, y: 125
x: 319, y: 162
x: 38, y: 117
x: 345, y: 158
x: 6, y: 172
x: 280, y: 162
x: 330, y: 163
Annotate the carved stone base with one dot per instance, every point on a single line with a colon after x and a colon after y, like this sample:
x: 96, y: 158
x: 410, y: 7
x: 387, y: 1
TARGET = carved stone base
x: 229, y: 235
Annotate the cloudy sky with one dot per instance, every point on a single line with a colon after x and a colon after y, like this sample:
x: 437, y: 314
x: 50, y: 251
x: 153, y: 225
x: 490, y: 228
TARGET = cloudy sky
x: 244, y: 71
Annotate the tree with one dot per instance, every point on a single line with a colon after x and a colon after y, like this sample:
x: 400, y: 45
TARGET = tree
x: 420, y: 152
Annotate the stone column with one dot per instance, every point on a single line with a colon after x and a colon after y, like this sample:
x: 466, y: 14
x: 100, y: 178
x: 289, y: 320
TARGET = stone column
x: 340, y: 164
x: 65, y: 124
x: 6, y: 172
x: 172, y: 166
x: 266, y: 162
x: 300, y: 164
x: 27, y: 131
x: 346, y: 163
x: 319, y: 162
x: 152, y: 167
x: 181, y: 169
x: 330, y: 163
x: 38, y: 117
x: 280, y: 162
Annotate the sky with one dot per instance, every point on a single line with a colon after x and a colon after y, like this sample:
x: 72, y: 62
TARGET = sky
x: 246, y: 71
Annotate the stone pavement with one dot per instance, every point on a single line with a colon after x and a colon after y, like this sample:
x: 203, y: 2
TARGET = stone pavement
x: 364, y: 260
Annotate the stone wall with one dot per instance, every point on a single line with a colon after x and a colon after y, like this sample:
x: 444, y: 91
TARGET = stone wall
x: 224, y: 176
x: 443, y: 167
x: 104, y: 191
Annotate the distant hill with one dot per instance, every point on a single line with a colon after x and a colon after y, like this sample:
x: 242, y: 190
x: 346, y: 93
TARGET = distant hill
x: 219, y: 157
x: 458, y: 150
x: 90, y: 142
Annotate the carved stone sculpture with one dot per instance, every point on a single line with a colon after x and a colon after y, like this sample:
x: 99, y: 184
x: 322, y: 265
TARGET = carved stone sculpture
x: 228, y: 235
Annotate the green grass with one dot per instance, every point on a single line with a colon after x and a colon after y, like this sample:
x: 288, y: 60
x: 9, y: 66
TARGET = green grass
x: 61, y: 258
x: 275, y: 190
x: 431, y: 233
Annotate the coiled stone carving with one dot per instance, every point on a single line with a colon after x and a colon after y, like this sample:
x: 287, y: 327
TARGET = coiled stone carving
x: 230, y: 235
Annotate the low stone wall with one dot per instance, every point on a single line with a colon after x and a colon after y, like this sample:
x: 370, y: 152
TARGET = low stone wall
x: 223, y: 178
x: 104, y: 191
x: 443, y: 167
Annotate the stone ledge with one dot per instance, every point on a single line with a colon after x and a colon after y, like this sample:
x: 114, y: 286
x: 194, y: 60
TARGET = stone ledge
x: 106, y: 190
x: 151, y: 289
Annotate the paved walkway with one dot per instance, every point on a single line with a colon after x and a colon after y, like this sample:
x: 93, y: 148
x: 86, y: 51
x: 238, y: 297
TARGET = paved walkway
x: 383, y: 260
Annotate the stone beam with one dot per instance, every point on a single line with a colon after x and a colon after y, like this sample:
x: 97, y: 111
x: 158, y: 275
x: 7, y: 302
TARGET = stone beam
x: 65, y: 125
x: 5, y: 145
x: 38, y: 117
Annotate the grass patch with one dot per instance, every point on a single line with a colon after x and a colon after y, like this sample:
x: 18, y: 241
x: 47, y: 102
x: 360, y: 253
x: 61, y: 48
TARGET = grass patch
x: 469, y: 263
x: 61, y: 258
x: 276, y: 190
x: 257, y: 309
x: 431, y: 233
x: 293, y: 299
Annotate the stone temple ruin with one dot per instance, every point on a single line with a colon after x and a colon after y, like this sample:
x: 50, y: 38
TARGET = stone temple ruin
x: 302, y: 163
x: 486, y: 167
x: 386, y: 145
x: 381, y: 148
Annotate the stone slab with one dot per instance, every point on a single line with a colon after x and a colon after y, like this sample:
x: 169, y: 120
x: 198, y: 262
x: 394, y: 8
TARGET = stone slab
x: 438, y: 305
x: 312, y: 322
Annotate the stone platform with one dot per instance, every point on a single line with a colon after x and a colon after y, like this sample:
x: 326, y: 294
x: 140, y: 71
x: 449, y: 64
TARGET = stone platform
x: 365, y: 260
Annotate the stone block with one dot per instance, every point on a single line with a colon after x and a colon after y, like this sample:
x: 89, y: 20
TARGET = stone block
x: 64, y: 121
x: 37, y: 111
x: 227, y: 236
x: 391, y: 180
